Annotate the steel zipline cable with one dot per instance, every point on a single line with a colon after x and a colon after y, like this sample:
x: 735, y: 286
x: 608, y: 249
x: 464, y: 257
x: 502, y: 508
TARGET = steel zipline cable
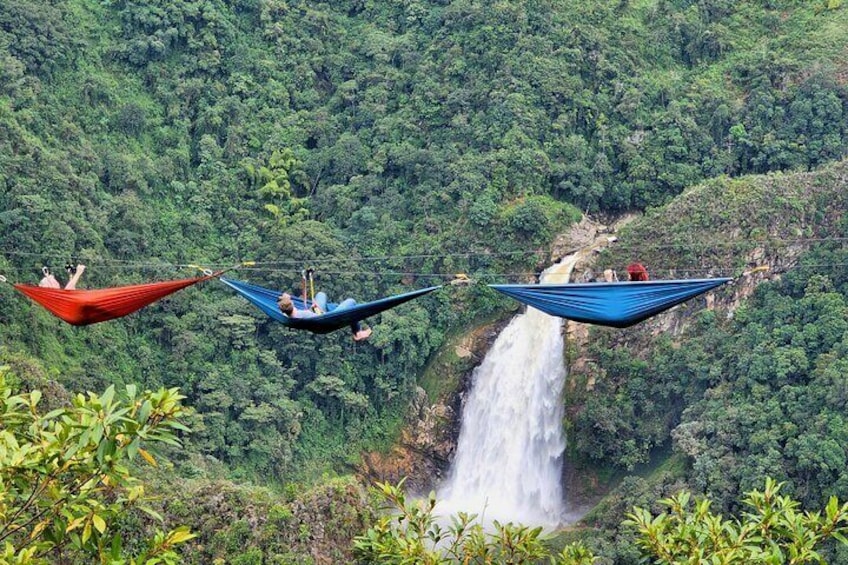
x: 645, y: 246
x: 332, y: 263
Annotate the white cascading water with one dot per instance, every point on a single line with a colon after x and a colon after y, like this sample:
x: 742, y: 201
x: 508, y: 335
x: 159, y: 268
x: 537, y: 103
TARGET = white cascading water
x: 508, y: 464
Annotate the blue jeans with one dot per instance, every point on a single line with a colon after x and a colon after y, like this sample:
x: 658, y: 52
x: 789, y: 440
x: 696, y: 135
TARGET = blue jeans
x: 321, y: 301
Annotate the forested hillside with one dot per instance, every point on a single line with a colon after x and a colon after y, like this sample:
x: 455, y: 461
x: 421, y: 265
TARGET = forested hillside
x: 387, y: 144
x: 753, y: 387
x: 138, y: 135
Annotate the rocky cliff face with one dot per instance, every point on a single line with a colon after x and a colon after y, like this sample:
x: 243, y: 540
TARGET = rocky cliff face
x: 428, y: 440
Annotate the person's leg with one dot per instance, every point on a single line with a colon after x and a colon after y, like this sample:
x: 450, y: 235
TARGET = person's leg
x: 49, y: 282
x: 321, y: 301
x: 356, y: 327
x: 346, y: 303
x: 72, y: 284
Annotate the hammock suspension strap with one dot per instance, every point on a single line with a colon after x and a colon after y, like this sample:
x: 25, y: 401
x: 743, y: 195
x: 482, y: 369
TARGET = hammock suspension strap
x: 204, y: 270
x: 461, y: 279
x: 310, y: 272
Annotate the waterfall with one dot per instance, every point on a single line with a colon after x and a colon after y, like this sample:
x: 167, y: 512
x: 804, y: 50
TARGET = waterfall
x: 508, y: 464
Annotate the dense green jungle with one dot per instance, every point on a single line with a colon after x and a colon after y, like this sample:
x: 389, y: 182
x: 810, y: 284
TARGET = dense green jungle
x: 390, y: 145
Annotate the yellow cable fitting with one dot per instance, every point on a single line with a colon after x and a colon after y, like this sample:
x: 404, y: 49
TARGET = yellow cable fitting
x: 461, y: 279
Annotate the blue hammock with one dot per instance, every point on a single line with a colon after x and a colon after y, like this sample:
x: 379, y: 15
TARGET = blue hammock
x: 618, y: 304
x: 266, y: 300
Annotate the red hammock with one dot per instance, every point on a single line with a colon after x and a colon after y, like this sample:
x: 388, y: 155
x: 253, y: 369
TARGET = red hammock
x: 83, y: 307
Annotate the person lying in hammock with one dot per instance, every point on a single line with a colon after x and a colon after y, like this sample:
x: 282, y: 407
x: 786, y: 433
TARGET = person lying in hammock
x: 320, y: 304
x: 49, y: 281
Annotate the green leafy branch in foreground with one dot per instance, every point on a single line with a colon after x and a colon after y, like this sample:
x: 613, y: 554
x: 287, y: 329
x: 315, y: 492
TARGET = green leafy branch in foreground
x: 410, y: 534
x: 65, y: 477
x: 775, y: 532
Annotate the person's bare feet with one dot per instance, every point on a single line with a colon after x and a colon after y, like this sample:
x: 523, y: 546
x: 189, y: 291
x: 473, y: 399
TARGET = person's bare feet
x: 362, y: 334
x: 72, y: 284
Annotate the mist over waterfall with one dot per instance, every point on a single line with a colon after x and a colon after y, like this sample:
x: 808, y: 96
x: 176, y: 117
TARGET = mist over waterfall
x: 508, y: 464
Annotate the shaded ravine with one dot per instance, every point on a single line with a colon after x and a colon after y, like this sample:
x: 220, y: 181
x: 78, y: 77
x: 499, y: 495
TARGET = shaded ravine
x: 508, y: 464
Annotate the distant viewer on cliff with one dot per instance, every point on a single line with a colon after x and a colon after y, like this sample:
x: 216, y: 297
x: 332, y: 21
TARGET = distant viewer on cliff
x: 636, y: 272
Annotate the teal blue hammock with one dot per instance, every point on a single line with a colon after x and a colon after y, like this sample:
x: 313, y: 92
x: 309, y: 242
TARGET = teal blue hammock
x: 266, y: 300
x: 619, y: 304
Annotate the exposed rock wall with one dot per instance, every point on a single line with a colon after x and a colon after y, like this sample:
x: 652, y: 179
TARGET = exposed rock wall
x: 429, y: 437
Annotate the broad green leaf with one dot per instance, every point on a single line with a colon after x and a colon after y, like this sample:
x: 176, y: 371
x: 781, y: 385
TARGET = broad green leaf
x: 99, y: 523
x: 107, y: 397
x: 180, y: 535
